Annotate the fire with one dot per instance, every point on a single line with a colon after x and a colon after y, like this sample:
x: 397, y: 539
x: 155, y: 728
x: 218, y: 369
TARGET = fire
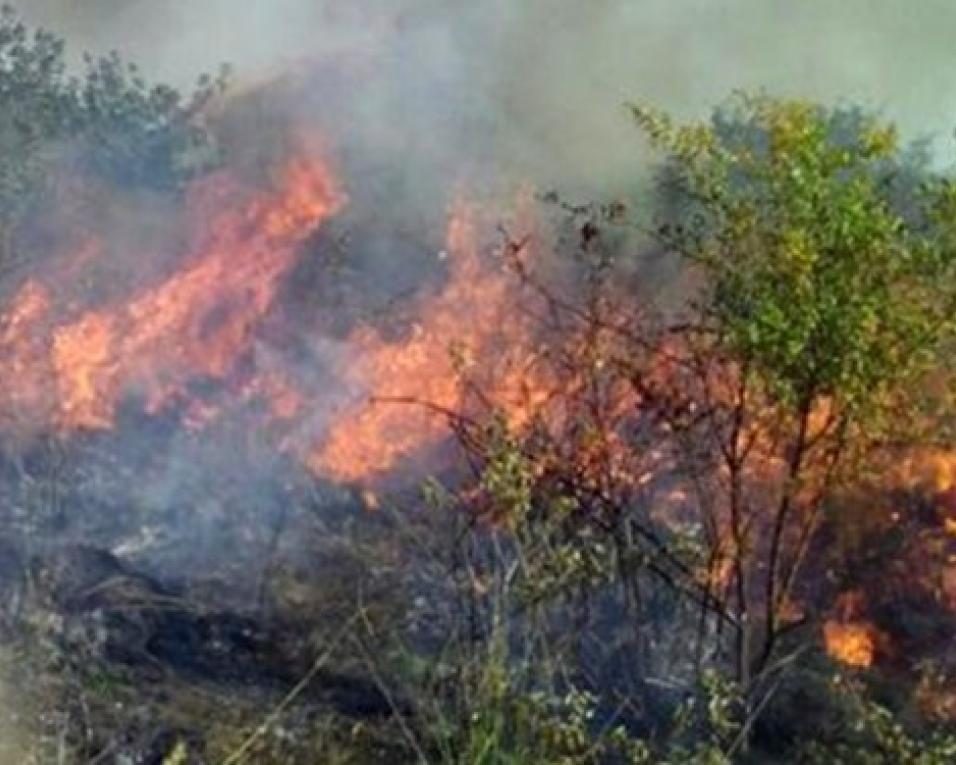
x: 470, y: 348
x: 468, y: 329
x: 852, y: 643
x: 927, y: 470
x: 25, y: 380
x: 72, y: 368
x: 83, y: 360
x: 850, y: 639
x: 196, y: 324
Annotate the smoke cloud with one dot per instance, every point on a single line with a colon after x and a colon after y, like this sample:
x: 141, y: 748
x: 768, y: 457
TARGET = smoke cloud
x: 542, y: 81
x: 539, y: 84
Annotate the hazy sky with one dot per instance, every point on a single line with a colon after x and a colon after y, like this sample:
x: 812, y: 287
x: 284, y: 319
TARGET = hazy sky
x: 558, y: 70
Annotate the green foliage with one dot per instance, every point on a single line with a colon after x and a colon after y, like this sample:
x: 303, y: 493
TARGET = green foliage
x: 704, y: 730
x: 507, y: 724
x: 507, y: 477
x: 106, y: 120
x: 511, y: 698
x: 814, y: 281
x: 141, y: 134
x: 37, y: 102
x: 877, y: 737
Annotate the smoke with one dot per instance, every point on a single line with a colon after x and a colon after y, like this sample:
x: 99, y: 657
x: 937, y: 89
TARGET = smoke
x: 537, y: 86
x: 420, y: 98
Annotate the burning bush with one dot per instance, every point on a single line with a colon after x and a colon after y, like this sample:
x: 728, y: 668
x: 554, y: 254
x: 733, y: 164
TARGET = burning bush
x: 642, y: 539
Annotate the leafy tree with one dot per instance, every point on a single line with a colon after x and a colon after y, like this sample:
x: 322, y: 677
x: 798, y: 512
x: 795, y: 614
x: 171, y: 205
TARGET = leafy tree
x: 822, y: 306
x: 688, y: 458
x: 813, y: 278
x: 105, y: 119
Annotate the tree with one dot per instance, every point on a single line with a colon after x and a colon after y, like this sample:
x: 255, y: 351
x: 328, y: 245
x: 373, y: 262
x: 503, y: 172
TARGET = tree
x: 105, y: 120
x: 689, y: 457
x: 822, y: 309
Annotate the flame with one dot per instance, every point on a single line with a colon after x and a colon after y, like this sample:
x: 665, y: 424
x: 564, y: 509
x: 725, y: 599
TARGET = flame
x: 196, y: 324
x: 72, y: 368
x: 927, y: 469
x: 850, y: 639
x: 24, y: 390
x: 470, y: 348
x: 852, y: 643
x: 469, y: 327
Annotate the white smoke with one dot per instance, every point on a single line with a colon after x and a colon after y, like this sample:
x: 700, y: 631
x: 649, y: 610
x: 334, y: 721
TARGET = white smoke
x: 542, y: 81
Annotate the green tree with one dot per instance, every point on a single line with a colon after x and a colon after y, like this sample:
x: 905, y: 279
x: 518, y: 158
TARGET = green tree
x: 821, y: 306
x: 103, y: 119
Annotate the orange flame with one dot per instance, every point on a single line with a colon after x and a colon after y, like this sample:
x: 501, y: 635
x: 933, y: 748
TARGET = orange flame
x: 72, y: 370
x: 24, y: 391
x: 850, y: 639
x: 408, y: 384
x: 197, y: 324
x: 852, y: 643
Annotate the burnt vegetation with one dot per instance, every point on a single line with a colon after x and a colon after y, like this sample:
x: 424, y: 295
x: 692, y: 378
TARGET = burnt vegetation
x: 587, y: 483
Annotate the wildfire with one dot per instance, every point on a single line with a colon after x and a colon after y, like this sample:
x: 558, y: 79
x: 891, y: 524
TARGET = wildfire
x: 931, y: 471
x: 850, y: 639
x: 165, y: 344
x: 71, y: 368
x: 195, y: 325
x: 469, y: 328
x: 853, y: 643
x: 24, y: 391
